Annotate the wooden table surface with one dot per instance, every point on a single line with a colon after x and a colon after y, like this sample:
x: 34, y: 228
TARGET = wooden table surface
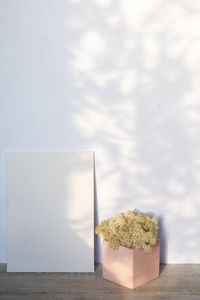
x: 175, y: 282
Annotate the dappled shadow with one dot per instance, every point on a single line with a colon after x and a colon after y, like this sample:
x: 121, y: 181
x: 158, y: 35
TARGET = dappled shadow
x: 136, y: 104
x: 121, y: 78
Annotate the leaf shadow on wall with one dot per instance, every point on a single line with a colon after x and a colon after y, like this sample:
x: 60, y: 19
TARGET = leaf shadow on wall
x: 136, y: 105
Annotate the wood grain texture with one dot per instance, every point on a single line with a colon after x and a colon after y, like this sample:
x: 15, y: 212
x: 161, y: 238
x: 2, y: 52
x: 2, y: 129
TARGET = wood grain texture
x: 175, y: 282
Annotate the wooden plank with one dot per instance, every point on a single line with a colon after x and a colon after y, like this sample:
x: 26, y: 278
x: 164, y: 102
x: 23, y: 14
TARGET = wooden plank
x: 175, y: 282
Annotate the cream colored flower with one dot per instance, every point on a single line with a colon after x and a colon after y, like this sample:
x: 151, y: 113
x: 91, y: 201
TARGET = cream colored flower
x: 133, y: 230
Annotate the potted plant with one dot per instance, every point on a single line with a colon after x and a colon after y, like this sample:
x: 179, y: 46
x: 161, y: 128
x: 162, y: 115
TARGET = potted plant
x: 130, y: 248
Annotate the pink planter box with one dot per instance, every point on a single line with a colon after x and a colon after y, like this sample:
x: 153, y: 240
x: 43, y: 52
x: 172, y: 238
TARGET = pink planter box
x: 129, y: 267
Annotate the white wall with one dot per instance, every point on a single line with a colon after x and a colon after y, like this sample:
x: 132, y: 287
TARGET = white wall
x: 120, y: 77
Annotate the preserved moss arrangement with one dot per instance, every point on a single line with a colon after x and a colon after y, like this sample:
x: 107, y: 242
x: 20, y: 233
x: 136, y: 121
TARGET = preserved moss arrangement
x: 132, y: 230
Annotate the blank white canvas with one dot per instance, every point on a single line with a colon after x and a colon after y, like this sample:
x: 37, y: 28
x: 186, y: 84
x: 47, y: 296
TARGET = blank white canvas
x: 50, y: 211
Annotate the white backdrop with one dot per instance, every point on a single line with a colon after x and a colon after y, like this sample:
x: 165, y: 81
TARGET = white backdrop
x: 50, y: 211
x: 120, y: 77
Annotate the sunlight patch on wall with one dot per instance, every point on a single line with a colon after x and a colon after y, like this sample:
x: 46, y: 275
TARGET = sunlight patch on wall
x: 192, y: 56
x: 89, y: 50
x: 135, y: 13
x: 128, y: 82
x: 92, y: 42
x: 103, y: 78
x: 136, y: 78
x: 114, y: 21
x: 189, y: 208
x: 151, y: 51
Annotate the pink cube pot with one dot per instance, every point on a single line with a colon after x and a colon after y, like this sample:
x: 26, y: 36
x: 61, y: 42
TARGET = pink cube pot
x: 129, y: 267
